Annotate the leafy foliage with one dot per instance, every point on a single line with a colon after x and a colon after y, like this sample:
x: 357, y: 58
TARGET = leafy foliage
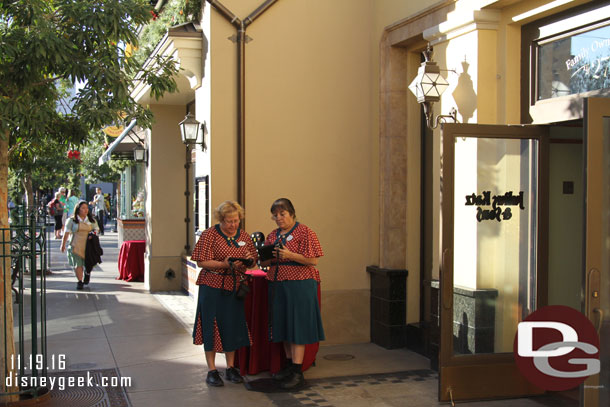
x: 49, y: 168
x: 44, y: 42
x: 65, y: 72
x: 174, y: 12
x: 107, y: 172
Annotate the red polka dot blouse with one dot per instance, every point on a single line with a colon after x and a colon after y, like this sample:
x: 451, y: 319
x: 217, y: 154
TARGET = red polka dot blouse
x: 214, y: 245
x: 300, y: 240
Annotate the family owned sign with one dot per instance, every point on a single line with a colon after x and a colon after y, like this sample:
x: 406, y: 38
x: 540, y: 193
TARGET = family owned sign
x: 500, y: 205
x: 590, y: 59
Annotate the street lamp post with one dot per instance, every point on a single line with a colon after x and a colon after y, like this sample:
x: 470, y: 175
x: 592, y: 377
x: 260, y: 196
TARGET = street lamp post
x: 189, y: 130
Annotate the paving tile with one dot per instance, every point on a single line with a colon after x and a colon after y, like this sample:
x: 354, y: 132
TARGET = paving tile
x: 134, y: 349
x: 82, y: 353
x: 189, y: 397
x: 179, y: 373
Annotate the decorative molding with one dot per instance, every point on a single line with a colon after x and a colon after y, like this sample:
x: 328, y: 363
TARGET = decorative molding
x: 184, y: 44
x: 463, y: 23
x: 419, y: 15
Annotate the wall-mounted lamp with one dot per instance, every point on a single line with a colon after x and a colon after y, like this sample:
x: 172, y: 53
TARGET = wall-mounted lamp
x: 139, y: 153
x: 428, y: 86
x: 190, y: 129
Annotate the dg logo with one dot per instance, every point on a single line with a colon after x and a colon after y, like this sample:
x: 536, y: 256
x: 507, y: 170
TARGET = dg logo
x: 557, y: 348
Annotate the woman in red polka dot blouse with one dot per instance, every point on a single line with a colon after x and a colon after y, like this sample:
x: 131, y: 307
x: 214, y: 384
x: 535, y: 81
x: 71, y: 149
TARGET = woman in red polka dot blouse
x: 293, y: 290
x: 220, y: 322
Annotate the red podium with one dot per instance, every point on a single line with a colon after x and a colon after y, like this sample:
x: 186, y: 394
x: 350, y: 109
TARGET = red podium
x: 264, y: 355
x: 131, y: 260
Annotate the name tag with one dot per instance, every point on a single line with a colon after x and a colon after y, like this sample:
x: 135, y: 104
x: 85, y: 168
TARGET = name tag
x: 289, y: 238
x: 241, y: 244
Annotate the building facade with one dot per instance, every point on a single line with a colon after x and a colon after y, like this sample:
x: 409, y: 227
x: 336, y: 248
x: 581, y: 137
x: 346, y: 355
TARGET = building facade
x: 440, y: 239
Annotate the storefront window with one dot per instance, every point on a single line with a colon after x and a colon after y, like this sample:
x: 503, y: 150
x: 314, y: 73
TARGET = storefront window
x: 133, y: 192
x: 575, y: 64
x: 202, y: 204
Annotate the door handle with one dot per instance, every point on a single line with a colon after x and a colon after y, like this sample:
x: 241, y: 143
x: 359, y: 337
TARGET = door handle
x: 593, y: 300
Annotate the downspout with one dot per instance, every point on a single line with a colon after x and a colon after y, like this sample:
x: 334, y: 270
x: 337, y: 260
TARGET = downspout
x: 241, y: 116
x: 241, y: 39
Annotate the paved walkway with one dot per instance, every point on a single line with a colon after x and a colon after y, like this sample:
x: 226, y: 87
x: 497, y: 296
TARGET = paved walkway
x: 114, y: 324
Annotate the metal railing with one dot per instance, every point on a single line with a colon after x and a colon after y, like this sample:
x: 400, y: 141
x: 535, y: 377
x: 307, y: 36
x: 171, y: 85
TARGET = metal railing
x: 25, y: 247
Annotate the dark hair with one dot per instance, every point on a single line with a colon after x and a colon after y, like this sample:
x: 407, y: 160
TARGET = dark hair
x: 77, y: 208
x: 283, y: 204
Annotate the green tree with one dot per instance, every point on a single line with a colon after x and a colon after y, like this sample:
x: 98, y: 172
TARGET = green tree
x: 90, y: 168
x: 172, y: 12
x: 45, y: 42
x: 43, y: 165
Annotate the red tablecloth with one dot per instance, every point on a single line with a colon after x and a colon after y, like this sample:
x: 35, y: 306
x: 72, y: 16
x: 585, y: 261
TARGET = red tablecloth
x: 264, y: 355
x: 131, y: 260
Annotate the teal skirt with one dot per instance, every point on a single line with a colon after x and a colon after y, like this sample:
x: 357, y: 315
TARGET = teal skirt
x: 220, y: 321
x: 295, y: 312
x: 74, y: 260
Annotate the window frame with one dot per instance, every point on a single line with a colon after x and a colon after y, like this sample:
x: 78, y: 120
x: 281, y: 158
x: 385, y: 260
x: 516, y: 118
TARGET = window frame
x: 562, y: 108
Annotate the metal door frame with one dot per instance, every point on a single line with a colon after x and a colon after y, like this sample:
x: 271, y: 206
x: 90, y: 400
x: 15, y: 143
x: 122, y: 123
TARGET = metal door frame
x: 460, y: 377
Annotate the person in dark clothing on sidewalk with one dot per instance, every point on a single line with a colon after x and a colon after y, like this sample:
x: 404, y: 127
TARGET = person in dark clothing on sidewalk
x: 93, y: 255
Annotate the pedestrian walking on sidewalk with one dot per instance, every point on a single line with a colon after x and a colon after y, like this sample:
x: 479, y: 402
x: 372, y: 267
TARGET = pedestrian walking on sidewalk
x: 220, y: 321
x: 71, y: 202
x: 293, y: 290
x: 76, y: 234
x: 64, y: 202
x: 99, y: 208
x: 56, y: 209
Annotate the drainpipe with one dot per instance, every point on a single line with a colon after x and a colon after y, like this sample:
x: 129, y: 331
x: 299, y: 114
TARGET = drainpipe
x: 241, y: 116
x: 241, y: 38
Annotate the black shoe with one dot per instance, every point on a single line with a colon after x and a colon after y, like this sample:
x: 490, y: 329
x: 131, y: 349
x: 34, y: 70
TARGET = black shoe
x: 284, y: 373
x: 214, y: 379
x: 79, y: 285
x: 233, y: 375
x: 295, y: 381
x: 86, y: 279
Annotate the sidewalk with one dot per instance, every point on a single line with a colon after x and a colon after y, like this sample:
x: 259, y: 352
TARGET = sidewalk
x: 116, y: 328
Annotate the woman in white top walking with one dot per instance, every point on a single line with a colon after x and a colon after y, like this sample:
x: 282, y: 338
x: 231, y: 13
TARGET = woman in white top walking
x: 75, y: 238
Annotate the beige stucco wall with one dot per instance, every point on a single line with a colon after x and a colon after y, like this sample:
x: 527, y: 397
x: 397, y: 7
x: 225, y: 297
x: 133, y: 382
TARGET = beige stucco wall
x: 165, y: 200
x: 308, y: 131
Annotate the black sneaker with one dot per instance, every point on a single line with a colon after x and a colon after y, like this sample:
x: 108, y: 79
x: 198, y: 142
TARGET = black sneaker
x: 233, y: 375
x: 79, y: 285
x: 86, y: 279
x: 294, y: 381
x: 283, y: 374
x: 214, y: 379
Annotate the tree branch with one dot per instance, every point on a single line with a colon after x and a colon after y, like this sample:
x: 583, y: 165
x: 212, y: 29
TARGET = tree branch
x: 47, y: 81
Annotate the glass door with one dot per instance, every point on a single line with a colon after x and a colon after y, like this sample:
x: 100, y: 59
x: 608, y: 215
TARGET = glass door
x: 494, y: 254
x: 596, y: 389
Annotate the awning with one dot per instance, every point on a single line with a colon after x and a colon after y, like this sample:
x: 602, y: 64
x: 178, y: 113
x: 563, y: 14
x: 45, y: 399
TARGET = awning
x: 106, y: 156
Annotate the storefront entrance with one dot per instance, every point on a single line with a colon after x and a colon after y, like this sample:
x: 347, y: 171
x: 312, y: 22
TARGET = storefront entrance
x: 525, y: 223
